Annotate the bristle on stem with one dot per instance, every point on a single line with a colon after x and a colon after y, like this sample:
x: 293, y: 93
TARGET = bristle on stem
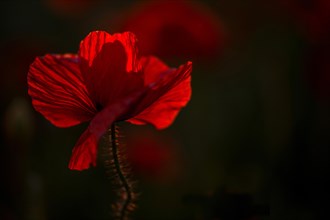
x: 118, y: 170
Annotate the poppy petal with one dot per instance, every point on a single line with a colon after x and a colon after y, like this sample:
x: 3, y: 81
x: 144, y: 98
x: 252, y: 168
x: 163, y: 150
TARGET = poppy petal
x: 56, y: 87
x: 152, y: 69
x: 110, y: 65
x: 174, y: 93
x: 91, y: 46
x: 84, y: 153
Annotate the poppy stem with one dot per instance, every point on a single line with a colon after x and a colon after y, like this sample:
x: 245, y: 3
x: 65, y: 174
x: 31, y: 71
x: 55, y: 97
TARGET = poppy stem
x: 125, y: 203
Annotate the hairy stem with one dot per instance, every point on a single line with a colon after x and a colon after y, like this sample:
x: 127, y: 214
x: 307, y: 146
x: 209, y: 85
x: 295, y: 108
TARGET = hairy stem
x: 120, y: 175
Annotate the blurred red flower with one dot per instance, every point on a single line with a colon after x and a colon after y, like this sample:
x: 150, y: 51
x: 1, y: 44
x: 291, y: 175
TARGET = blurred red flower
x: 175, y: 28
x: 106, y: 82
x: 152, y: 157
x: 71, y: 8
x: 312, y: 17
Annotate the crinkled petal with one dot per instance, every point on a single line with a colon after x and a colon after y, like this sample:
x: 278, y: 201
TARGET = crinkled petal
x: 93, y: 44
x: 84, y: 153
x: 110, y: 65
x: 58, y: 92
x: 164, y: 104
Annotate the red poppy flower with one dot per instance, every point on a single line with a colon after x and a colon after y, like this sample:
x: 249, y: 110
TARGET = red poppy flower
x: 106, y: 82
x: 175, y: 28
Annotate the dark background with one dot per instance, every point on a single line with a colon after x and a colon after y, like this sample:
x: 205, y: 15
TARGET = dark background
x: 256, y: 131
